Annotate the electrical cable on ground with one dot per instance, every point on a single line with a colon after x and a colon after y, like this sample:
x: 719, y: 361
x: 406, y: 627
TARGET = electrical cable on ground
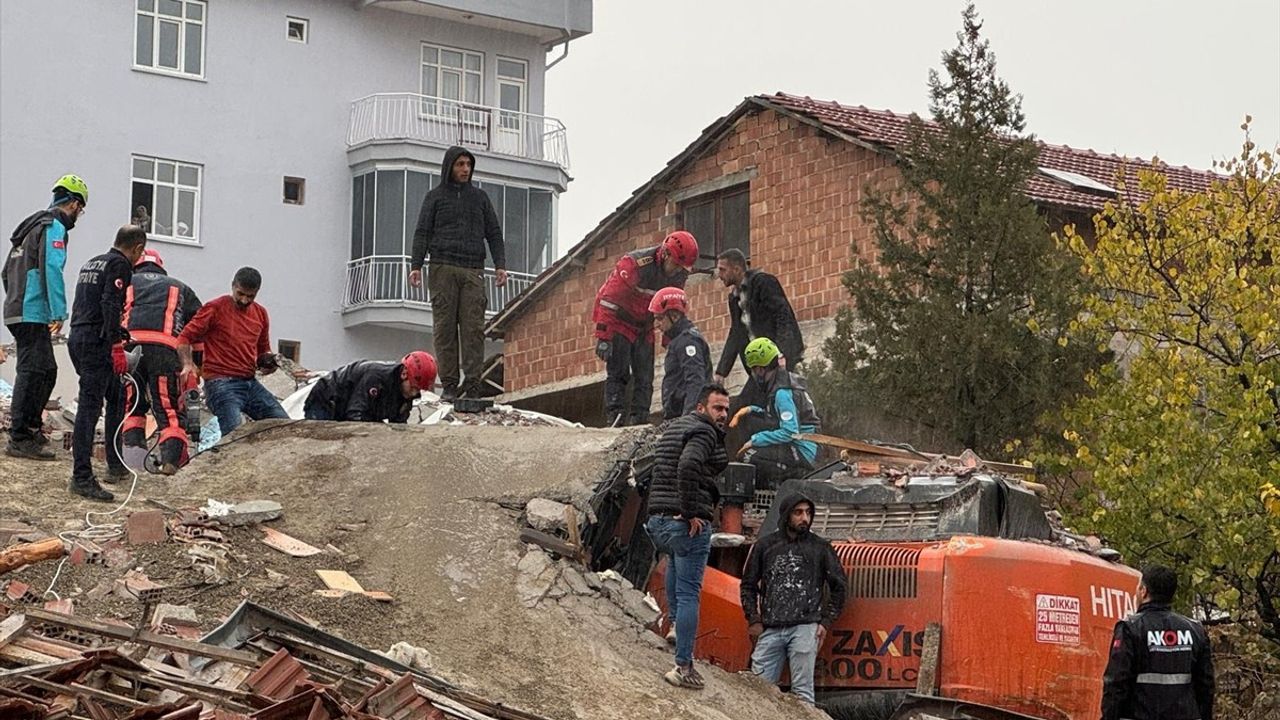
x: 105, y: 531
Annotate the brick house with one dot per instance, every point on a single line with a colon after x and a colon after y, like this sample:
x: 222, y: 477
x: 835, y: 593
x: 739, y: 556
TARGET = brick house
x: 782, y: 178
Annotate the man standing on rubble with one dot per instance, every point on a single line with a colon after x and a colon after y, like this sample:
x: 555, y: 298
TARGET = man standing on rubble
x: 687, y: 366
x: 624, y: 336
x: 455, y: 222
x: 158, y: 307
x: 372, y: 391
x: 1161, y: 664
x: 758, y: 307
x: 35, y: 305
x: 793, y: 589
x: 776, y: 451
x: 96, y: 346
x: 682, y: 496
x: 237, y: 344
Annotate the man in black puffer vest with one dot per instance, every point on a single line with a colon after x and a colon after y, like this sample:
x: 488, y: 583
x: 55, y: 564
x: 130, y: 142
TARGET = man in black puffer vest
x: 1161, y: 665
x: 682, y: 497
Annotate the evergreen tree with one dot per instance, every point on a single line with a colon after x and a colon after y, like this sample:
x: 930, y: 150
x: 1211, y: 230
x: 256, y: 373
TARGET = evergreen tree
x: 960, y: 323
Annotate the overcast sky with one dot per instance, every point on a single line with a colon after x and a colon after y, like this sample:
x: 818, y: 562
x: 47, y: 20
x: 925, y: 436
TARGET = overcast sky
x: 1134, y: 77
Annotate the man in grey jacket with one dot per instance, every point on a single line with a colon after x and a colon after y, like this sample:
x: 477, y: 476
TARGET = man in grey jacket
x: 455, y: 222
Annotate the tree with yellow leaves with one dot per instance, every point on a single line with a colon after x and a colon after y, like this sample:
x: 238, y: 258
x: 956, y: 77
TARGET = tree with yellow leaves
x: 1181, y: 434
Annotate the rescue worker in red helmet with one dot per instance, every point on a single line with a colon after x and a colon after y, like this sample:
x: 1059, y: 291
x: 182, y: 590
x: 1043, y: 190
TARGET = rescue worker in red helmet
x: 371, y: 390
x: 157, y: 307
x: 623, y: 323
x: 687, y: 366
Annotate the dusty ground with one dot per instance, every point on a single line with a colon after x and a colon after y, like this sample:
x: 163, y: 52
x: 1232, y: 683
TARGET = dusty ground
x: 433, y: 537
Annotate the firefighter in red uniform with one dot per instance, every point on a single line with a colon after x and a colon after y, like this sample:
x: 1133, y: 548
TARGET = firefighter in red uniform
x: 624, y: 325
x: 157, y: 307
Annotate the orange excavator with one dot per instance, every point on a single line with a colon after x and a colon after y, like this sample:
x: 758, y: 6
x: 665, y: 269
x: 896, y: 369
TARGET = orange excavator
x: 964, y: 599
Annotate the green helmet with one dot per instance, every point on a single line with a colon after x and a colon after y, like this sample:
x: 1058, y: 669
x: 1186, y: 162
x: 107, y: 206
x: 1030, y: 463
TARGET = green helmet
x: 74, y: 185
x: 761, y: 352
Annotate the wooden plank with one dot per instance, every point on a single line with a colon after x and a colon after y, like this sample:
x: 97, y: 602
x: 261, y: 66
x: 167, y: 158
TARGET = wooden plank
x: 11, y: 627
x: 864, y: 448
x: 339, y: 580
x: 77, y: 689
x: 550, y: 542
x: 125, y: 632
x: 930, y: 659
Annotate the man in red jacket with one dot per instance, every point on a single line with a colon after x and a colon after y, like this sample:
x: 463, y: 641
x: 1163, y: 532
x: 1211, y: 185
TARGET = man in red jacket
x: 624, y: 325
x: 237, y: 344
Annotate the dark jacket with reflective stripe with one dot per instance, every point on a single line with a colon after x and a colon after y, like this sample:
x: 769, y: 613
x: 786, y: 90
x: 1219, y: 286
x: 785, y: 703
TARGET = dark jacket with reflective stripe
x: 686, y: 369
x: 157, y: 306
x: 1161, y: 668
x: 363, y: 391
x: 689, y: 456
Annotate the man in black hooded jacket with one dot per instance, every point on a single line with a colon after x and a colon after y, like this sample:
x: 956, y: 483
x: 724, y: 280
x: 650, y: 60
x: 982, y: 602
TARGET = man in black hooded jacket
x: 782, y: 592
x: 455, y: 222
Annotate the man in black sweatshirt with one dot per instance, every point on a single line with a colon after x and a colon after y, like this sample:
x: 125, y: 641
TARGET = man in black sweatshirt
x: 793, y: 589
x: 372, y: 391
x: 455, y: 222
x: 96, y: 346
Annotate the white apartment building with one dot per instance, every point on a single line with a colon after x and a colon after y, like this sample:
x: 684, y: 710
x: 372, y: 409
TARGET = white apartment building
x: 295, y: 136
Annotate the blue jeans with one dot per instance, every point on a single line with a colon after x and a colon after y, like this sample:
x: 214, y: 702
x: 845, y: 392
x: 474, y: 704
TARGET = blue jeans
x: 229, y: 397
x: 798, y: 647
x: 687, y: 561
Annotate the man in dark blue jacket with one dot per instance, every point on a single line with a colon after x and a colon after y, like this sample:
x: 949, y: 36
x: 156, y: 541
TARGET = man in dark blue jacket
x: 687, y: 367
x: 1161, y: 664
x: 372, y: 391
x: 455, y: 222
x: 35, y: 305
x: 793, y: 589
x: 96, y: 346
x: 682, y: 499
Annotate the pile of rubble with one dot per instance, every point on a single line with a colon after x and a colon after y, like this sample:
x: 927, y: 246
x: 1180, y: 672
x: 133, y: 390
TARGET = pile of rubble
x: 257, y: 664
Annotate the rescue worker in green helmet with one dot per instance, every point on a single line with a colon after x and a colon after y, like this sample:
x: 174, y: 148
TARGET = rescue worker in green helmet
x: 788, y: 411
x: 35, y: 306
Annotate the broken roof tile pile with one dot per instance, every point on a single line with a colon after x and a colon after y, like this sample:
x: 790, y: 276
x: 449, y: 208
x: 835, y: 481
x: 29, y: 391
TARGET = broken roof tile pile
x: 258, y: 664
x: 1053, y: 186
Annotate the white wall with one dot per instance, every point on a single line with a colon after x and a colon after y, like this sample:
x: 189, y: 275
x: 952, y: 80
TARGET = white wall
x: 71, y: 102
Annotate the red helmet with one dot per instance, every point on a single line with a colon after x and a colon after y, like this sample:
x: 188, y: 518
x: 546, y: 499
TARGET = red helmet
x: 682, y: 247
x: 669, y: 298
x: 150, y: 256
x: 420, y: 367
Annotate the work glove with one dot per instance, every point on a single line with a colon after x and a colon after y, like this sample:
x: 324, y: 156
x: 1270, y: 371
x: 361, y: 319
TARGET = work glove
x: 748, y: 410
x: 603, y: 350
x: 119, y: 363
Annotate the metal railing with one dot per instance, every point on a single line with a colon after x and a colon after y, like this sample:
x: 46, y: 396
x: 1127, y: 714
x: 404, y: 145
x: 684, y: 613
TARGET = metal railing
x: 441, y: 121
x: 384, y: 280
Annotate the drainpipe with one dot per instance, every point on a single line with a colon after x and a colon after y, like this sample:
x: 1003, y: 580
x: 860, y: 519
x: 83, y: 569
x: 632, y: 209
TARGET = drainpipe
x: 565, y: 37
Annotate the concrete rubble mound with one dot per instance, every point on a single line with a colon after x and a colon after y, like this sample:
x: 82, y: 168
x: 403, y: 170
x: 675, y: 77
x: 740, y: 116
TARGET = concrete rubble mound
x: 341, y: 570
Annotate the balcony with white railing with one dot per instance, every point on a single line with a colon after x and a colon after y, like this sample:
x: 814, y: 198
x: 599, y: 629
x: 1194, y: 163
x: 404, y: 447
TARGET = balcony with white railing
x: 377, y: 291
x: 414, y: 118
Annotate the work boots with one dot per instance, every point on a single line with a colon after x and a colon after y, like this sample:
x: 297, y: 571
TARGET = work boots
x: 28, y: 449
x: 89, y: 487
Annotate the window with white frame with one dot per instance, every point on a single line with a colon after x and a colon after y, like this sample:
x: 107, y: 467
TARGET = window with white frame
x: 451, y: 74
x: 165, y: 199
x: 169, y: 36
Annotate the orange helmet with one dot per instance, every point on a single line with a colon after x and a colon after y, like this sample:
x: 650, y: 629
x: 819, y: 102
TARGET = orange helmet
x: 669, y: 298
x: 682, y: 247
x: 149, y: 256
x: 420, y: 367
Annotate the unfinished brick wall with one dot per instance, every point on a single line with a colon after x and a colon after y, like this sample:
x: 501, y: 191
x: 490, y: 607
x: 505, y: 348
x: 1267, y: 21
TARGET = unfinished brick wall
x: 805, y: 200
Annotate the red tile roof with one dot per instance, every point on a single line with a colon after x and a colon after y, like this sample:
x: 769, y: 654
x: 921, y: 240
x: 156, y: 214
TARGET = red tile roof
x: 881, y: 130
x: 889, y: 130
